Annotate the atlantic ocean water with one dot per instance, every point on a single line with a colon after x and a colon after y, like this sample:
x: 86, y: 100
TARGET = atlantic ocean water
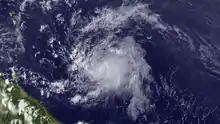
x: 177, y: 42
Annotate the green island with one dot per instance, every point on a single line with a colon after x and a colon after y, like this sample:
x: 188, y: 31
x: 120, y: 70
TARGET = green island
x: 17, y: 107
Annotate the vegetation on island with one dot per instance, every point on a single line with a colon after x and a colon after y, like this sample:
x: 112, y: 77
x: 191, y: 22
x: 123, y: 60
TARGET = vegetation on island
x: 17, y: 107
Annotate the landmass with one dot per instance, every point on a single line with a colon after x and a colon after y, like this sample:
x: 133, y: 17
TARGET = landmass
x: 17, y: 107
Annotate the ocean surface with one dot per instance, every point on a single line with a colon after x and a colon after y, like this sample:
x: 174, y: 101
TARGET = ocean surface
x: 116, y: 61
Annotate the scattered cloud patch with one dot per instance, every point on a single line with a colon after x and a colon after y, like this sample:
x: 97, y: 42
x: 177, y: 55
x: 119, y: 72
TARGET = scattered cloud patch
x: 24, y: 4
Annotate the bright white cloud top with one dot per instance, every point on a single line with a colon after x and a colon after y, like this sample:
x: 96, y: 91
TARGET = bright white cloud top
x: 112, y: 66
x: 105, y: 65
x: 116, y: 67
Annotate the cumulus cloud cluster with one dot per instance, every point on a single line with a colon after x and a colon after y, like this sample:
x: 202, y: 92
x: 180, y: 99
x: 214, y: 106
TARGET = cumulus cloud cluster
x: 116, y: 67
x: 109, y: 65
x: 105, y: 65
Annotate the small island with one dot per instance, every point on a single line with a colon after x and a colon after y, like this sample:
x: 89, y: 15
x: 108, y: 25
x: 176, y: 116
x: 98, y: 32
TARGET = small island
x: 17, y: 107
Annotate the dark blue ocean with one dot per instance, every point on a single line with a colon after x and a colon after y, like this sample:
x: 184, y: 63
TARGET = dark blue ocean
x: 188, y: 96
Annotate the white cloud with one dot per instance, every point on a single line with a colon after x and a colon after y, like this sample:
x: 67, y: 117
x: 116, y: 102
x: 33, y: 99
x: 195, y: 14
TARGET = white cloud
x: 43, y: 27
x: 109, y: 19
x: 24, y: 4
x: 118, y: 70
x: 16, y: 121
x: 112, y: 66
x: 76, y: 99
x: 57, y: 87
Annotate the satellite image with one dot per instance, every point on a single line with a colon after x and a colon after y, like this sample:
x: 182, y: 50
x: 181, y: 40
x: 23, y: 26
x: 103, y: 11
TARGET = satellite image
x: 109, y: 62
